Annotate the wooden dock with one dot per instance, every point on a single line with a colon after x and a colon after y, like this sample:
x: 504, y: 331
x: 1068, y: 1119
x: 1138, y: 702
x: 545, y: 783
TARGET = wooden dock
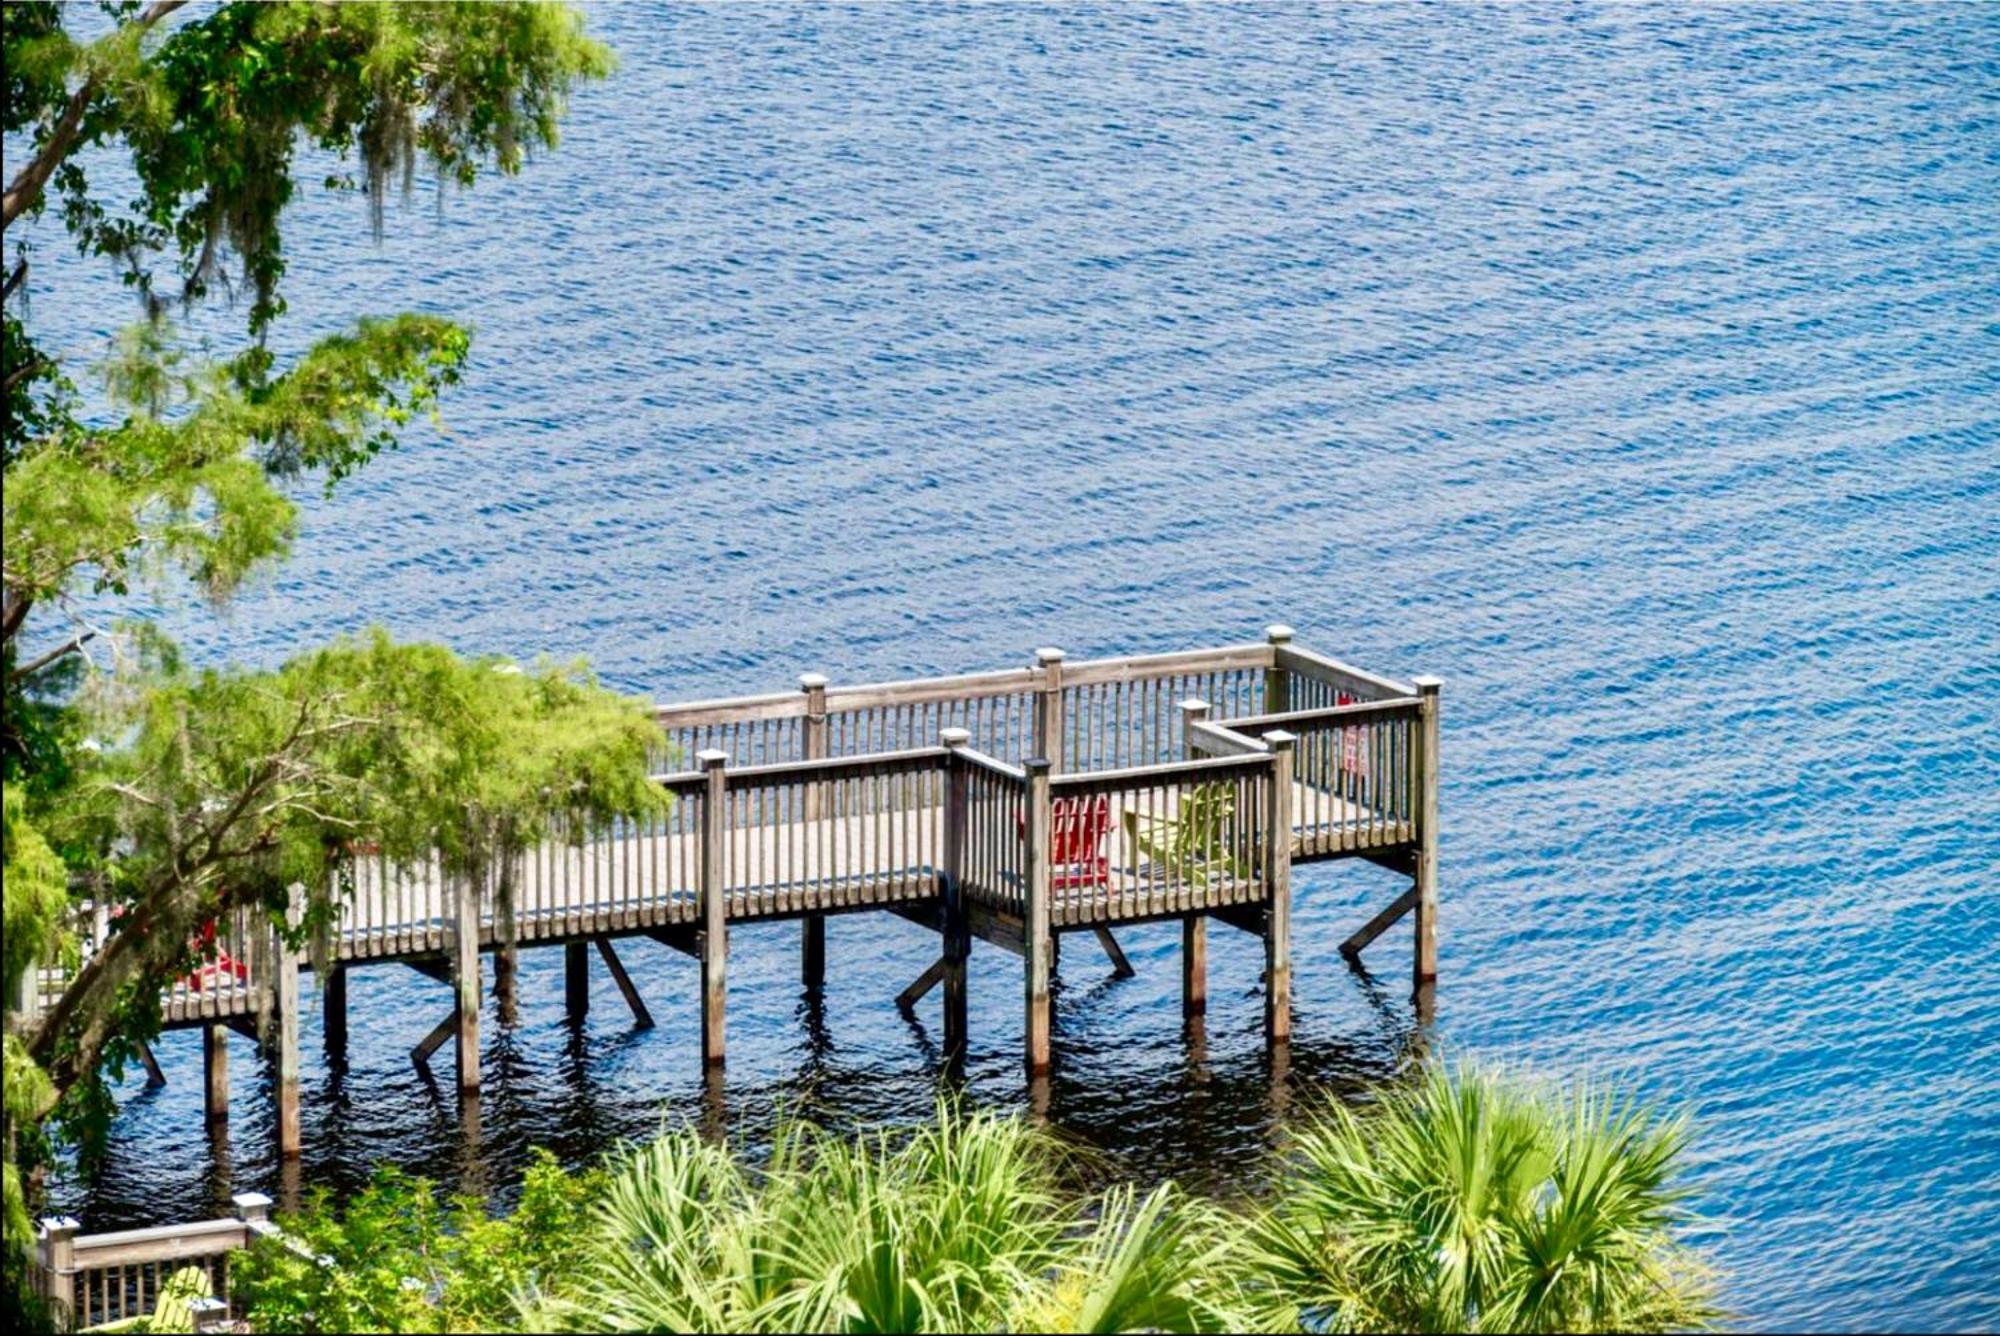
x: 1009, y: 807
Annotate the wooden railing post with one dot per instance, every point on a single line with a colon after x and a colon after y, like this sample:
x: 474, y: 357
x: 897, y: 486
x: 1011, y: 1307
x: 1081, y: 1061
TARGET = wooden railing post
x: 57, y: 1246
x: 1428, y: 689
x: 957, y: 936
x: 714, y: 904
x: 285, y: 963
x: 1278, y: 875
x: 1277, y: 680
x: 1049, y: 708
x: 253, y: 1209
x: 1035, y: 913
x: 1194, y: 928
x: 812, y: 747
x: 466, y: 990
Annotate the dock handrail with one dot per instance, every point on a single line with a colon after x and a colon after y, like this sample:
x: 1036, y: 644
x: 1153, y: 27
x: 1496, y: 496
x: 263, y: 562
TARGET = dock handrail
x: 1011, y: 805
x: 93, y: 1279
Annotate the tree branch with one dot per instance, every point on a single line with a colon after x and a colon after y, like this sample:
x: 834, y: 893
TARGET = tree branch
x: 27, y: 185
x: 27, y: 369
x: 35, y: 665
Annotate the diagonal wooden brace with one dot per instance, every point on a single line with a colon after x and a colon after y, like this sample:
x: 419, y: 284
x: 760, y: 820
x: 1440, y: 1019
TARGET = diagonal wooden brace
x: 1120, y: 967
x: 929, y: 979
x: 1381, y: 923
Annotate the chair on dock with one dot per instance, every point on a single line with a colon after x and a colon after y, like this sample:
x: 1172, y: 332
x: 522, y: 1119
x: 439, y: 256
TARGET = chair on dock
x: 219, y: 969
x: 173, y: 1310
x: 1077, y: 827
x: 1193, y: 844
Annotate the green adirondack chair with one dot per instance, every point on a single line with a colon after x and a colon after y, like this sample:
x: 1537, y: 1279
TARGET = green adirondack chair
x: 1193, y: 844
x: 174, y: 1310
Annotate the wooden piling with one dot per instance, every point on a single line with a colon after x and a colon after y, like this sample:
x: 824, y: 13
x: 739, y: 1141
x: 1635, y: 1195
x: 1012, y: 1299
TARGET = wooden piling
x: 576, y: 980
x: 957, y: 936
x: 1036, y: 947
x: 333, y: 1013
x: 1049, y: 708
x: 465, y: 980
x: 215, y: 1072
x: 1194, y: 928
x: 714, y: 905
x: 812, y: 747
x: 1278, y: 875
x: 1194, y: 966
x: 285, y: 961
x: 1428, y: 689
x: 506, y: 973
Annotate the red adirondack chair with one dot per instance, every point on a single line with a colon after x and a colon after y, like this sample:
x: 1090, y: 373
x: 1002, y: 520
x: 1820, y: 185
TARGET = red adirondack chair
x: 1352, y: 761
x: 220, y: 970
x: 1077, y: 827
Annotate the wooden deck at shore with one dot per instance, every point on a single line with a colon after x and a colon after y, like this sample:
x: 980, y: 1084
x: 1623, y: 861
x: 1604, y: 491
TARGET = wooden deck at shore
x: 952, y: 802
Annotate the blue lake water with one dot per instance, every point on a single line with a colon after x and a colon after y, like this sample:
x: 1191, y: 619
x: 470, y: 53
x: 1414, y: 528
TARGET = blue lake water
x: 1636, y: 371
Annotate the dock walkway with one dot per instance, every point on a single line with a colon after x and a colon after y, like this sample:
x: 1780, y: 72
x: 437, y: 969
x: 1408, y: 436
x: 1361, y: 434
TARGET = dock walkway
x: 1011, y: 807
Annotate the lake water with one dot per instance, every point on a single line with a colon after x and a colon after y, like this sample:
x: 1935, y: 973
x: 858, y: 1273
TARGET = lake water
x: 1637, y: 372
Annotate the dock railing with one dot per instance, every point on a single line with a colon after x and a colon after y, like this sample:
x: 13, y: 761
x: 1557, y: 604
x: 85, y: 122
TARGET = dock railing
x: 1012, y: 805
x: 93, y: 1279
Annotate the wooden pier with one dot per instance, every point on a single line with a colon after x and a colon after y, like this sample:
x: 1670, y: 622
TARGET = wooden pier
x: 1009, y: 807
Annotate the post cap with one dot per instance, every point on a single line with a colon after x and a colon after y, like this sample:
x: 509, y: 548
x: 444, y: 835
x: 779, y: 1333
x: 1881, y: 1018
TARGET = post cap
x: 1047, y: 654
x: 1278, y: 633
x: 1278, y: 737
x: 954, y: 737
x: 1192, y: 705
x: 812, y: 681
x: 1037, y: 765
x: 60, y: 1226
x: 1427, y: 685
x: 711, y: 757
x: 251, y: 1205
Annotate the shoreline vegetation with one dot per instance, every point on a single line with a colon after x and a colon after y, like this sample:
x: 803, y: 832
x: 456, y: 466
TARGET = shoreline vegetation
x: 1463, y: 1199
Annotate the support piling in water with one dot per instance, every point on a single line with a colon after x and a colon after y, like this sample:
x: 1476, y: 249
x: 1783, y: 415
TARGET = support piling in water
x: 1278, y: 877
x: 1428, y: 689
x: 465, y: 981
x: 215, y: 1072
x: 714, y: 906
x: 333, y: 1014
x: 1038, y: 943
x: 576, y: 980
x: 290, y: 1137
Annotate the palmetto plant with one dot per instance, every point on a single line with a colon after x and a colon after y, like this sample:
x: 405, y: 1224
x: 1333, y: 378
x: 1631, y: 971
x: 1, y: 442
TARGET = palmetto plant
x: 1466, y: 1201
x: 960, y: 1226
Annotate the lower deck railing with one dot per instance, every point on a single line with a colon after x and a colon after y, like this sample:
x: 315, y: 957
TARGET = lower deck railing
x: 90, y: 1280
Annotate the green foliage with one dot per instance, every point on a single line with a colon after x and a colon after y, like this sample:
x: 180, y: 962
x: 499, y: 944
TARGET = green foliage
x: 397, y: 1259
x: 35, y: 896
x: 213, y: 112
x: 1460, y: 1203
x: 961, y: 1226
x: 1467, y: 1202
